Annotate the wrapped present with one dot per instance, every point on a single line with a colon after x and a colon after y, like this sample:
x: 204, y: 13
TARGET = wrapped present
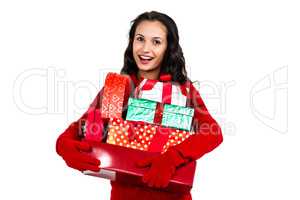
x: 141, y: 110
x: 116, y: 166
x: 176, y: 137
x: 113, y: 98
x: 135, y: 139
x: 177, y: 117
x: 167, y: 115
x: 165, y: 92
x: 126, y: 134
x: 144, y: 136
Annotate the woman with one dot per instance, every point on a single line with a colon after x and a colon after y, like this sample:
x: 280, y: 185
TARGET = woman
x: 153, y: 52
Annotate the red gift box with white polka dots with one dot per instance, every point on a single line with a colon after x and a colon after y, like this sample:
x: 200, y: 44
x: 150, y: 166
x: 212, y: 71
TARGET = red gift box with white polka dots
x: 144, y: 136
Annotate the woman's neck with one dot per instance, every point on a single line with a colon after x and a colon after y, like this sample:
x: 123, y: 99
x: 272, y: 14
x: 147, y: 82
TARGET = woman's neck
x: 154, y: 75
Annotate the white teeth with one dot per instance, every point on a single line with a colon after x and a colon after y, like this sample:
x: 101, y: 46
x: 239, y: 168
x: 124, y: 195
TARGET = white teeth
x: 146, y: 57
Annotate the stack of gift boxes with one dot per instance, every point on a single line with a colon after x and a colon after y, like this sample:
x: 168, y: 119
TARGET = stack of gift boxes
x: 156, y: 119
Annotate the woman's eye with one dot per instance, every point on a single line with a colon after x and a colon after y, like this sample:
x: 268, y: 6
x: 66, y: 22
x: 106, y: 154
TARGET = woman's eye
x: 156, y: 42
x: 139, y: 39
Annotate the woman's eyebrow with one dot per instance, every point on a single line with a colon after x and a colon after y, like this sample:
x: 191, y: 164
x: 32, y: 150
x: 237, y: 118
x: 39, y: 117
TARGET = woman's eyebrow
x: 156, y: 37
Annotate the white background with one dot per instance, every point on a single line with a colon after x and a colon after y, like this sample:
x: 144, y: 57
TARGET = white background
x: 245, y: 53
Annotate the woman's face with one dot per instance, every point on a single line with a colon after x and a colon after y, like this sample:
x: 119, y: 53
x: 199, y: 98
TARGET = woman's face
x: 149, y: 46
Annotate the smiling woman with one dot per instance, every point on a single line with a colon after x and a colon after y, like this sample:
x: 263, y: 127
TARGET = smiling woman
x: 155, y: 36
x: 149, y: 47
x: 153, y: 52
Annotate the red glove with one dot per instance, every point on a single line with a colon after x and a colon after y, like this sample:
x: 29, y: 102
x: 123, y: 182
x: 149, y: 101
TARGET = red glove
x: 75, y: 154
x: 162, y: 168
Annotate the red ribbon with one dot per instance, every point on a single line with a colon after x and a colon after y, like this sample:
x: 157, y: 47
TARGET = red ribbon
x: 167, y: 93
x: 149, y: 84
x: 158, y: 113
x: 167, y: 87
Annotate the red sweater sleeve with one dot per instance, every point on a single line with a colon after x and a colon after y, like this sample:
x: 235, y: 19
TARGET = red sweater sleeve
x: 208, y: 134
x: 72, y: 132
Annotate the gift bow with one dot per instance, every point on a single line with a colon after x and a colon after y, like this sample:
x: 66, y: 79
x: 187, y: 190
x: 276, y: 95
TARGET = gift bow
x: 148, y: 84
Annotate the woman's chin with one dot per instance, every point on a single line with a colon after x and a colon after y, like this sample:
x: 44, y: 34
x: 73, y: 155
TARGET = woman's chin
x: 145, y: 67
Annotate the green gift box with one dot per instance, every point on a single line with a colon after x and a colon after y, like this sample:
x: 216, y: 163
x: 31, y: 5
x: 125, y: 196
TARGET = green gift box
x: 177, y: 117
x: 141, y: 110
x: 174, y: 116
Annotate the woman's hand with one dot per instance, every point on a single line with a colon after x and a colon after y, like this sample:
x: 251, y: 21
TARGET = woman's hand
x: 76, y: 154
x: 162, y: 168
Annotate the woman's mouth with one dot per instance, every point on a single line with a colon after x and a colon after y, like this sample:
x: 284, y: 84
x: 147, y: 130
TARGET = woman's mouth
x: 145, y: 59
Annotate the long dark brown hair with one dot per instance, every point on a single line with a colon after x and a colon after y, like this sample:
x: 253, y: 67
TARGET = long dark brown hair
x: 173, y: 62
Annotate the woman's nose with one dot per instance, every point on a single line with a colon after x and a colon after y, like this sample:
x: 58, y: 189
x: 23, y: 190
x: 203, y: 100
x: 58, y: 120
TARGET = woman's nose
x: 147, y: 46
